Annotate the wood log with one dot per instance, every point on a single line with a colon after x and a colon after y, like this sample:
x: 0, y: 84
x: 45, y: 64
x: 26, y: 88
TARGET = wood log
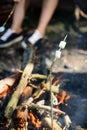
x: 46, y: 86
x: 11, y: 106
x: 6, y: 84
x: 45, y: 107
x: 20, y: 119
x: 39, y: 76
x: 10, y: 80
x: 55, y: 88
x: 47, y: 120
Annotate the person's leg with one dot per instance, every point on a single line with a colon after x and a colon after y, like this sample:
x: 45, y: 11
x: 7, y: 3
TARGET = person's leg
x: 19, y: 14
x: 14, y: 33
x: 48, y: 8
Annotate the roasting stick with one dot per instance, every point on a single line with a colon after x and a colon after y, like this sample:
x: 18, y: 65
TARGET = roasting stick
x: 2, y: 28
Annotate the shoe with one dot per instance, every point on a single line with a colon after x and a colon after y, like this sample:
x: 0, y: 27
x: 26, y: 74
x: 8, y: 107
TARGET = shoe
x: 26, y: 43
x: 10, y: 38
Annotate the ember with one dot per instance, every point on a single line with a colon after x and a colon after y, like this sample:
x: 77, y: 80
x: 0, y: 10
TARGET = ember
x: 34, y: 120
x: 63, y: 97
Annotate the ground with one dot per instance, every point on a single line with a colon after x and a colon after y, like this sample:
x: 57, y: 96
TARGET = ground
x: 73, y: 63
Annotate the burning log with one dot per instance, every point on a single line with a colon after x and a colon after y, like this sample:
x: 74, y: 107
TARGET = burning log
x: 47, y: 107
x: 6, y: 84
x: 20, y: 88
x: 39, y: 76
x: 21, y: 117
x: 63, y: 97
x: 47, y: 120
x: 25, y: 115
x: 34, y: 120
x: 55, y: 88
x: 26, y: 93
x: 46, y: 86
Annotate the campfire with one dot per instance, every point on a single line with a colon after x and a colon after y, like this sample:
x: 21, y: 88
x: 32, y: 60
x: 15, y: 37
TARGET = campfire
x: 30, y: 100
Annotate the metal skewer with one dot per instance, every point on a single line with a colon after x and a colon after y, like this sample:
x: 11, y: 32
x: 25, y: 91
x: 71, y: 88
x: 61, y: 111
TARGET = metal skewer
x: 2, y: 28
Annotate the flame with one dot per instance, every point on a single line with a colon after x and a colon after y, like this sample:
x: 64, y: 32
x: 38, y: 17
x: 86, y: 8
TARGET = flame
x: 57, y: 80
x: 34, y: 120
x: 20, y: 119
x: 63, y: 97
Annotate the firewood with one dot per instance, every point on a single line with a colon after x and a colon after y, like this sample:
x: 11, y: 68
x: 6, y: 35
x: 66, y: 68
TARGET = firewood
x: 47, y: 121
x: 39, y: 76
x: 46, y: 86
x: 55, y: 88
x: 34, y: 120
x: 20, y: 88
x: 20, y: 119
x: 47, y: 108
x: 27, y: 92
x: 7, y: 83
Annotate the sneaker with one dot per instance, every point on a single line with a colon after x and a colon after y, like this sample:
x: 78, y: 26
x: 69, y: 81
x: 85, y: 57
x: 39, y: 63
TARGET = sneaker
x: 26, y: 43
x: 9, y: 38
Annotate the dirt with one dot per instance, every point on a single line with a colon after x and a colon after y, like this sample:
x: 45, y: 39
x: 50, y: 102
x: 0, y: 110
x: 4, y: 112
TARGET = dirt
x: 73, y: 63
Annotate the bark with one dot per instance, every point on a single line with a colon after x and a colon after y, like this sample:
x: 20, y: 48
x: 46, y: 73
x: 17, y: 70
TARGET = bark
x: 46, y: 86
x: 47, y: 120
x: 47, y: 108
x: 20, y: 88
x: 7, y: 84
